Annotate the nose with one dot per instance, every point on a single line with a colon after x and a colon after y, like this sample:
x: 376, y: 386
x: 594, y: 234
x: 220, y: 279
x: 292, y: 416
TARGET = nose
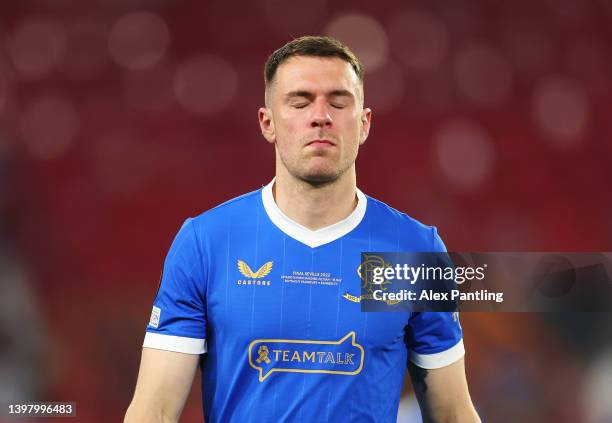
x: 320, y: 115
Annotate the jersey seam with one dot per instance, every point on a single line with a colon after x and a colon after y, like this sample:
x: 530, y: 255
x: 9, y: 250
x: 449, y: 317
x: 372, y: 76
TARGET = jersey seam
x: 201, y: 258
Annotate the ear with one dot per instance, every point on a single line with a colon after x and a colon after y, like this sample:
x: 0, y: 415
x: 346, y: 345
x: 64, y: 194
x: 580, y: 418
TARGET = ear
x: 366, y: 121
x: 266, y: 123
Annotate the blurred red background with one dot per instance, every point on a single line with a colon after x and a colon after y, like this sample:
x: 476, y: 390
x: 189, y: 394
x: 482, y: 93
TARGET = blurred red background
x: 119, y: 119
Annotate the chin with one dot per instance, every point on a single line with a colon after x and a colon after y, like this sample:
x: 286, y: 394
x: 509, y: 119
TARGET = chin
x: 320, y: 175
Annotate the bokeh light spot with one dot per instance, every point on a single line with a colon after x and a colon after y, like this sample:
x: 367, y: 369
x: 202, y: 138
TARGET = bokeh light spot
x: 365, y: 37
x: 561, y: 111
x: 465, y: 155
x: 419, y: 39
x: 36, y: 46
x: 49, y: 126
x: 206, y: 84
x: 483, y: 75
x: 138, y: 40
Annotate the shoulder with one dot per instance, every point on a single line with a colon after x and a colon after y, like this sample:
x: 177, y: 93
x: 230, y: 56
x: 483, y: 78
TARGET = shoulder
x: 384, y: 212
x: 235, y: 205
x: 237, y: 209
x: 415, y: 233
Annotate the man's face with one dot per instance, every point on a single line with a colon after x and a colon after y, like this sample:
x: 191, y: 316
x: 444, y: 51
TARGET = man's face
x: 315, y: 117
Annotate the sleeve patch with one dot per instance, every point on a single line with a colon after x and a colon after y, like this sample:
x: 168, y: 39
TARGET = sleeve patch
x: 155, y: 315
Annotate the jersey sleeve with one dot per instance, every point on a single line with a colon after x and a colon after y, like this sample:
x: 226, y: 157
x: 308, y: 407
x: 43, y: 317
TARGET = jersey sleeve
x: 178, y: 318
x: 434, y: 339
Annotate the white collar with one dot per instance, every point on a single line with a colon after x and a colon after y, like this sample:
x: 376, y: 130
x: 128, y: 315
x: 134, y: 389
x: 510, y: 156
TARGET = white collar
x: 303, y: 234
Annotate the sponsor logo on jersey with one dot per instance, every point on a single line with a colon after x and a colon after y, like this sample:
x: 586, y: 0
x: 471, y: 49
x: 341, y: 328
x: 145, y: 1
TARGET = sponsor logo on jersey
x: 254, y: 278
x: 342, y: 357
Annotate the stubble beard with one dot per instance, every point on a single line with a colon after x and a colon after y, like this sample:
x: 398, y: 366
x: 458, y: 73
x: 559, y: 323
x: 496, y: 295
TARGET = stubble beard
x: 314, y: 174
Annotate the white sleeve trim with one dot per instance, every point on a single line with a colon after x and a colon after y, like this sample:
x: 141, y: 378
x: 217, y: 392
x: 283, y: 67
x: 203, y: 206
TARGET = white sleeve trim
x: 440, y: 359
x: 174, y: 343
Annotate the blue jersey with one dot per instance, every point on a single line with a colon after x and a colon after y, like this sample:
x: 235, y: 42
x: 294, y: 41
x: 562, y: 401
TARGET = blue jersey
x: 274, y: 309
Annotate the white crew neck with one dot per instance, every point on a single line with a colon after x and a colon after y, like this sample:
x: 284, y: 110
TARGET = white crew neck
x: 307, y: 236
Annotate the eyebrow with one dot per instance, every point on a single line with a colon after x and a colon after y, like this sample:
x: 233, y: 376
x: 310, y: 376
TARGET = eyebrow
x: 308, y: 94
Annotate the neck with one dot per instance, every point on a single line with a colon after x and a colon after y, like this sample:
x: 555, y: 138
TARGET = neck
x: 315, y: 205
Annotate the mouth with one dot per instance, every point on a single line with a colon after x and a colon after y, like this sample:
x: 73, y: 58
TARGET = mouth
x: 321, y: 143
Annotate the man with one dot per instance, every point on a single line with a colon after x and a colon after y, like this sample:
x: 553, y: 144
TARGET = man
x: 263, y: 291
